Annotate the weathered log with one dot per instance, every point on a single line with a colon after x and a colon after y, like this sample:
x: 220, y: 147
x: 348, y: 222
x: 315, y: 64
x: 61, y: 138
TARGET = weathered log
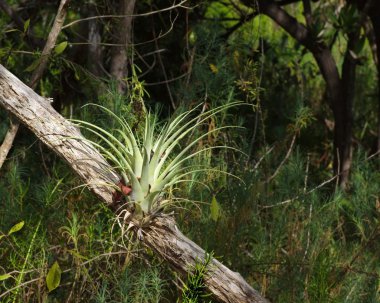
x: 161, y: 234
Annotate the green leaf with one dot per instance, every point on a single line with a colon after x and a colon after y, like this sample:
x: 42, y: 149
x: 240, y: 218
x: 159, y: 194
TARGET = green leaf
x: 76, y: 75
x: 33, y: 66
x: 359, y: 45
x: 53, y: 278
x: 4, y: 277
x: 215, y: 209
x: 26, y: 25
x: 60, y: 47
x: 11, y: 30
x: 16, y: 227
x: 2, y: 236
x: 192, y: 38
x: 78, y: 255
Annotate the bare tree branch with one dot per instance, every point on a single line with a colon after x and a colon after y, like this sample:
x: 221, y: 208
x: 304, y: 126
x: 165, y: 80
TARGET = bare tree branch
x: 243, y: 20
x: 37, y: 74
x: 288, y: 153
x: 286, y: 2
x: 307, y: 13
x: 8, y: 141
x: 163, y: 68
x: 329, y: 70
x: 179, y: 5
x: 50, y: 43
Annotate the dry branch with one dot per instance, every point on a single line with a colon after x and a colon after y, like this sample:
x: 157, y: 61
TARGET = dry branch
x: 50, y: 43
x: 8, y: 141
x: 162, y: 234
x: 37, y: 74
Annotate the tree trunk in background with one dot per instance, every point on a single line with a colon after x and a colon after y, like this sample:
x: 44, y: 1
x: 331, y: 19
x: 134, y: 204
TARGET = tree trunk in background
x: 371, y: 8
x: 95, y: 55
x: 378, y: 97
x: 340, y: 105
x: 348, y: 84
x: 123, y: 36
x: 375, y: 19
x: 342, y: 112
x: 161, y: 234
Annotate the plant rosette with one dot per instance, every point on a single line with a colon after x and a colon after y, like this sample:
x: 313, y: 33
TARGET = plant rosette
x: 147, y: 165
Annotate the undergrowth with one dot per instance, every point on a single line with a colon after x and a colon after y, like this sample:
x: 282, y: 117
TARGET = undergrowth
x: 287, y: 233
x: 282, y: 223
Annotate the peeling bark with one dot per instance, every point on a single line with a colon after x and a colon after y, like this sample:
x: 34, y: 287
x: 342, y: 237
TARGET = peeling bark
x: 161, y: 234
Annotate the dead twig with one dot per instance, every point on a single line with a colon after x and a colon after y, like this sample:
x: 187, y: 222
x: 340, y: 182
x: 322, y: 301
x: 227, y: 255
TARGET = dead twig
x: 163, y: 67
x: 304, y: 194
x: 284, y: 160
x: 8, y: 141
x: 179, y: 5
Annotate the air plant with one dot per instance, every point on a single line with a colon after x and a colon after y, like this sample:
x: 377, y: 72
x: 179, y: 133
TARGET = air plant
x: 147, y: 165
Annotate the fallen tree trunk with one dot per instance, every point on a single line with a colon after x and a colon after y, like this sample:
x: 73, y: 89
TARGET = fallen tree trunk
x: 161, y: 234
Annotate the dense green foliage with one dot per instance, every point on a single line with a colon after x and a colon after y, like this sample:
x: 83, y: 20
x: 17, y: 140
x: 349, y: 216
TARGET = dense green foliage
x: 275, y: 215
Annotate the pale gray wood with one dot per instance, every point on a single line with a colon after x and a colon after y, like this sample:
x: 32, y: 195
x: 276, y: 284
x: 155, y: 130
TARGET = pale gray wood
x: 161, y: 234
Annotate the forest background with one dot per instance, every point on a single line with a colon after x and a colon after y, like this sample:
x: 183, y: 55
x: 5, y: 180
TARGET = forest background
x: 298, y: 212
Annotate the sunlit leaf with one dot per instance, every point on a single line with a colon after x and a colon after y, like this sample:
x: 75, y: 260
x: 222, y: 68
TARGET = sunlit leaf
x: 33, y: 66
x: 60, y: 47
x: 53, y: 278
x: 76, y: 75
x: 215, y: 209
x: 78, y: 255
x: 192, y: 37
x: 16, y: 227
x: 213, y: 68
x: 26, y: 25
x: 11, y: 30
x: 4, y: 277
